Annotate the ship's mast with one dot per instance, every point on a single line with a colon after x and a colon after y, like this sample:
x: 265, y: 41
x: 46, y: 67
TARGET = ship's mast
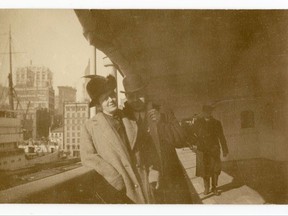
x: 11, y: 92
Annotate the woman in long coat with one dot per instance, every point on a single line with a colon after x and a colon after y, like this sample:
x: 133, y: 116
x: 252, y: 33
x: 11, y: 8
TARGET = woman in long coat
x: 107, y: 146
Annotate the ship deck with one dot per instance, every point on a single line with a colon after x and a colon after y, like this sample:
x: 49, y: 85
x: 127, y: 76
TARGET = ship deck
x: 255, y: 181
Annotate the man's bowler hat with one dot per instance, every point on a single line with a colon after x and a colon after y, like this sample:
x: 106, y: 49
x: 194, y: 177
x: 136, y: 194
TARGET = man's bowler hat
x: 133, y: 83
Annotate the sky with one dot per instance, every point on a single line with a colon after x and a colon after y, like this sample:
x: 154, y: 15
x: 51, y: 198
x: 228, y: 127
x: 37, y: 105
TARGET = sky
x: 51, y: 38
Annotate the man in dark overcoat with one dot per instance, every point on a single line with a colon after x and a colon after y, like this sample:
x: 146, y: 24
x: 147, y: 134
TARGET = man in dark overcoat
x: 158, y: 125
x: 210, y: 136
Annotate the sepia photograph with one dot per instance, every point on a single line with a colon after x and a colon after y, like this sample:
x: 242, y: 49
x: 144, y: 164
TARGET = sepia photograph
x: 143, y: 106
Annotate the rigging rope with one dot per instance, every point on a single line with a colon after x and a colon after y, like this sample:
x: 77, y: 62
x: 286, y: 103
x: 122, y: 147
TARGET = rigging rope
x: 2, y: 61
x: 2, y: 101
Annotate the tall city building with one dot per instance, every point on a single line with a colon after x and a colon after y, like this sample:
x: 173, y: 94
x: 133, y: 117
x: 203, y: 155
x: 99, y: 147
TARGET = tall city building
x: 43, y: 123
x: 56, y: 103
x: 33, y: 86
x: 75, y: 114
x: 34, y: 76
x: 66, y: 94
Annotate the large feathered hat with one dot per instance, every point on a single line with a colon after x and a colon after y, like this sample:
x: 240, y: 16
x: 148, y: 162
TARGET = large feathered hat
x: 99, y: 85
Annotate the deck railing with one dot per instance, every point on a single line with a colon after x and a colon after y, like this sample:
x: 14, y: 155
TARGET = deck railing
x: 80, y: 185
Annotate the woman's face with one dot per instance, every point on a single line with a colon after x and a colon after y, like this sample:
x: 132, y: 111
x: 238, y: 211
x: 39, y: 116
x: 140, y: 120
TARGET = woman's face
x: 108, y: 102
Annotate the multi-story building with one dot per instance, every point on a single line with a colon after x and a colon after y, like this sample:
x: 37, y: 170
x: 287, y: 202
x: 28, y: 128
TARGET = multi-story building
x: 75, y: 114
x: 56, y: 103
x: 34, y: 76
x: 43, y: 123
x: 66, y: 94
x: 32, y: 98
x: 34, y: 88
x: 34, y: 91
x: 56, y: 136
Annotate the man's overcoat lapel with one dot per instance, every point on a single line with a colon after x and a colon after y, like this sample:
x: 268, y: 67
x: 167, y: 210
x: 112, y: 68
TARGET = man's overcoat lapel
x: 131, y: 130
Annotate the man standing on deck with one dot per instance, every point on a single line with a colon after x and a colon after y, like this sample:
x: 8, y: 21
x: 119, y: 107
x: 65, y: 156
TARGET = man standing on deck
x: 157, y: 125
x: 209, y: 135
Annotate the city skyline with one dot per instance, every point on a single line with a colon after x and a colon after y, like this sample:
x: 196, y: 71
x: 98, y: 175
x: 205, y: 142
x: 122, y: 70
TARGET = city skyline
x: 54, y: 39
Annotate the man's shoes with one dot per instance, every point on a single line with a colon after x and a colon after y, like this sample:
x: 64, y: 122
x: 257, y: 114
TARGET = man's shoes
x: 215, y: 192
x: 206, y: 191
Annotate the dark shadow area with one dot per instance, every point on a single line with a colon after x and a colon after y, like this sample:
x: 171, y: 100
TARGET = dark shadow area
x: 90, y: 188
x: 194, y: 195
x: 267, y: 177
x: 236, y: 183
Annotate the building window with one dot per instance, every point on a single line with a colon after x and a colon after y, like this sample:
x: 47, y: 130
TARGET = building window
x: 78, y: 127
x: 12, y: 161
x: 73, y: 140
x: 247, y: 119
x: 78, y: 140
x: 73, y: 134
x: 78, y: 114
x: 78, y: 134
x: 73, y: 128
x: 83, y: 114
x: 67, y: 140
